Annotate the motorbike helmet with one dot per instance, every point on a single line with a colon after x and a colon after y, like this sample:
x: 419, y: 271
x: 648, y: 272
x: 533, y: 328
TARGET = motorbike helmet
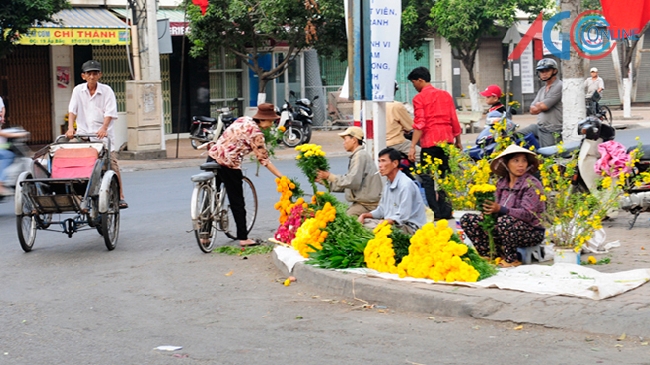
x: 546, y: 64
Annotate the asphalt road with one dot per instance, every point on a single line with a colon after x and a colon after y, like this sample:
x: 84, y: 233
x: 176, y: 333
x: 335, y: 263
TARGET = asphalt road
x: 70, y: 301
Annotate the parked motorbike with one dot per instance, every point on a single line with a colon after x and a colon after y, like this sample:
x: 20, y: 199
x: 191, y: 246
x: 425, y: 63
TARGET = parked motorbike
x: 297, y: 120
x: 205, y: 129
x: 22, y: 159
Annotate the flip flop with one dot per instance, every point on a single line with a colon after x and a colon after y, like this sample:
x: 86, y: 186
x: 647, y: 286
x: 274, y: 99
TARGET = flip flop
x: 123, y: 204
x: 504, y: 264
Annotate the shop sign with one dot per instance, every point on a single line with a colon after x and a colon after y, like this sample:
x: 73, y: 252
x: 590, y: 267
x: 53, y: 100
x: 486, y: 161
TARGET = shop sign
x: 75, y: 36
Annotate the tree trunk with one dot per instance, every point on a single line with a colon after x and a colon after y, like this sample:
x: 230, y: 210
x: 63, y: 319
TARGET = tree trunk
x: 573, y: 93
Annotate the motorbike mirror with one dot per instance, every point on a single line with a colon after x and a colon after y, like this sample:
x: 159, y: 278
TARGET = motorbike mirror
x: 315, y: 97
x: 292, y: 93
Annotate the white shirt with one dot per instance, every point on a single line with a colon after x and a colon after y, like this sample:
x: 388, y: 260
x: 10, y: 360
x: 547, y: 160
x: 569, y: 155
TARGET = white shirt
x: 91, y: 110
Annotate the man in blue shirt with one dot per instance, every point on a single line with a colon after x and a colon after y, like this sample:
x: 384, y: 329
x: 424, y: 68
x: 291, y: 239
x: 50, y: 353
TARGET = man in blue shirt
x: 401, y: 203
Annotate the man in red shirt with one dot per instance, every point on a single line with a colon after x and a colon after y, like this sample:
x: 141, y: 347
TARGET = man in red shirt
x: 435, y: 122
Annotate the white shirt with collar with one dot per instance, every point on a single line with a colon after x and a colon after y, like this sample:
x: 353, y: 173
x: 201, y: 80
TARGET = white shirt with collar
x: 91, y: 110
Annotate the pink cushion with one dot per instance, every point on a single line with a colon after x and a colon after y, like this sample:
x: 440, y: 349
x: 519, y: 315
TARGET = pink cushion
x: 73, y: 163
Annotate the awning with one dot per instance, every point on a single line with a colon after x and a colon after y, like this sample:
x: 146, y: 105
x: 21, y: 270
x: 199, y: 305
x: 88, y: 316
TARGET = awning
x: 178, y: 22
x: 79, y: 26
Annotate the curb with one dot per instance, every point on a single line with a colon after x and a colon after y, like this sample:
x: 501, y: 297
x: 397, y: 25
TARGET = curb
x: 608, y: 316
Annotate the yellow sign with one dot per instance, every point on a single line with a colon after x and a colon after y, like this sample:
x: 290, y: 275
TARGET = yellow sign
x: 75, y: 36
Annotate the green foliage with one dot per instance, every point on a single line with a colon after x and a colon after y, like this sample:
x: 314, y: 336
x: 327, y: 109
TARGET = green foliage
x: 345, y: 242
x: 464, y: 22
x: 17, y: 16
x: 241, y: 251
x: 251, y: 28
x: 401, y: 243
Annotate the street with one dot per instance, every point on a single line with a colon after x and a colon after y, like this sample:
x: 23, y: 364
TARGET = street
x: 70, y: 301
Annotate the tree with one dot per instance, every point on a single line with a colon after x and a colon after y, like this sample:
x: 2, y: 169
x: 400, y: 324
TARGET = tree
x: 463, y: 23
x: 18, y: 16
x: 251, y: 28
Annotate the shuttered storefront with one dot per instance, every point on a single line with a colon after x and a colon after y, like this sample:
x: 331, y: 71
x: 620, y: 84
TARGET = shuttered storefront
x: 25, y: 87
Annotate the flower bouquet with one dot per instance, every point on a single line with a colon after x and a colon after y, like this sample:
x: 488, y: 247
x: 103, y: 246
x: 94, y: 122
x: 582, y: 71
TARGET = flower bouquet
x: 483, y: 193
x: 311, y: 158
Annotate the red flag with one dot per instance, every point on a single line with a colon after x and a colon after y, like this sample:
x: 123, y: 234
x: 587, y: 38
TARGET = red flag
x: 201, y: 3
x: 626, y: 15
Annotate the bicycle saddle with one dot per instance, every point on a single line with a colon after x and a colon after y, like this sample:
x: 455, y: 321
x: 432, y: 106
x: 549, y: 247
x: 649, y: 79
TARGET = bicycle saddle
x: 210, y: 166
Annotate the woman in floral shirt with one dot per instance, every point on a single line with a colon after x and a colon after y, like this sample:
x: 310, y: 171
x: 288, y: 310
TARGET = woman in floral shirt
x: 518, y: 207
x: 243, y: 137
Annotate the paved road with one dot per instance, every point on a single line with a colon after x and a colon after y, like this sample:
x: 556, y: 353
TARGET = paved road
x: 72, y: 302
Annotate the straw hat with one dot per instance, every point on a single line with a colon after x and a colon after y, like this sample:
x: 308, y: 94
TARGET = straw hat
x: 499, y: 167
x: 266, y: 111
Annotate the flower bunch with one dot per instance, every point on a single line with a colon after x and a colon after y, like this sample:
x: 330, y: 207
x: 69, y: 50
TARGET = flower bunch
x: 272, y: 138
x: 287, y: 231
x: 311, y: 158
x: 482, y: 193
x: 572, y: 212
x: 289, y: 190
x: 379, y: 253
x: 636, y: 179
x: 433, y: 254
x: 463, y: 173
x: 311, y: 234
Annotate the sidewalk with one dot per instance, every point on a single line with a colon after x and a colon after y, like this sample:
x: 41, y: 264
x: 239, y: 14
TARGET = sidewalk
x: 626, y: 313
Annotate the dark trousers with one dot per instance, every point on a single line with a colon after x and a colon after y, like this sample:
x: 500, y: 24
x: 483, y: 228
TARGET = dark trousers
x: 438, y: 204
x: 232, y: 180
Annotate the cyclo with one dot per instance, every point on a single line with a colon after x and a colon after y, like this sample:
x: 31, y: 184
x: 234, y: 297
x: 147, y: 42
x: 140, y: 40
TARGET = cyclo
x: 73, y: 181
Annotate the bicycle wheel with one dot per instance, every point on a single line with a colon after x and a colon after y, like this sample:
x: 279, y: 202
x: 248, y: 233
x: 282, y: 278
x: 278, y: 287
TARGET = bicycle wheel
x: 606, y: 114
x: 205, y: 228
x: 250, y: 203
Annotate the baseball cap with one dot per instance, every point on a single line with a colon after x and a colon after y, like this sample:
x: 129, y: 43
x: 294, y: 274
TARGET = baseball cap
x: 593, y: 69
x: 91, y: 65
x: 355, y: 132
x: 492, y: 90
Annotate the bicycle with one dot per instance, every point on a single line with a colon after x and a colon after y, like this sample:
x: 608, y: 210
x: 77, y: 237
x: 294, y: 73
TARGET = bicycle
x: 210, y: 209
x: 601, y: 112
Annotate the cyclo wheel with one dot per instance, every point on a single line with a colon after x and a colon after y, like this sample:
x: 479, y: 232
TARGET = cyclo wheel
x: 206, y: 227
x: 250, y: 203
x: 26, y: 224
x: 111, y: 219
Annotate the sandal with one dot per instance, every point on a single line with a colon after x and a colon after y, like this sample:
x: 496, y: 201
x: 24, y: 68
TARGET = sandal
x: 123, y: 204
x: 504, y: 264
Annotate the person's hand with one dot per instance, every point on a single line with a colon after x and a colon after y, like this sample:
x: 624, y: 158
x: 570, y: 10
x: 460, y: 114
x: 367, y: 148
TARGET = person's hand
x: 490, y: 207
x: 70, y: 133
x: 322, y: 175
x: 412, y: 153
x: 534, y: 109
x: 102, y: 132
x: 363, y: 217
x: 458, y: 145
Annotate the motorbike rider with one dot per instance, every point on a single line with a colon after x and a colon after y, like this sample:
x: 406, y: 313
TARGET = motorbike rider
x: 547, y: 105
x: 6, y: 156
x: 492, y: 95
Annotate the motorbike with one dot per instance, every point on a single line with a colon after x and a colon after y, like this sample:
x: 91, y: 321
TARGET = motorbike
x: 22, y: 159
x: 297, y: 120
x: 205, y: 129
x: 486, y: 142
x: 636, y: 199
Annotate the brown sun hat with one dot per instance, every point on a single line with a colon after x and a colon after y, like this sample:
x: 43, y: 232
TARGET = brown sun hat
x: 266, y: 111
x: 498, y: 167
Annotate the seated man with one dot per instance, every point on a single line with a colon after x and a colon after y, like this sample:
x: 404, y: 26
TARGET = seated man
x: 361, y: 183
x: 401, y: 203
